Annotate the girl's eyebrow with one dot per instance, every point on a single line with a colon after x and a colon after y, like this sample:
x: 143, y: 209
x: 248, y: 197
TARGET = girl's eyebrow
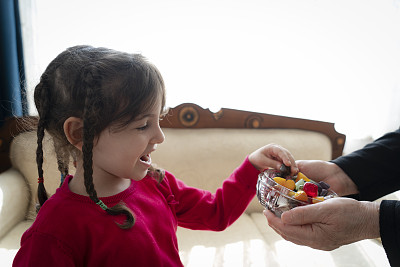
x: 150, y: 115
x: 141, y: 117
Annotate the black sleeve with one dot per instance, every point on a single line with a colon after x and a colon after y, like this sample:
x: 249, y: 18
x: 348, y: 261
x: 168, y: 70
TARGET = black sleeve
x: 375, y: 169
x: 389, y: 223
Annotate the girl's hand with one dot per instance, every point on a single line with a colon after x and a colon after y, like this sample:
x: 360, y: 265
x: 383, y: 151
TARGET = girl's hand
x: 329, y: 224
x: 330, y: 173
x: 272, y: 156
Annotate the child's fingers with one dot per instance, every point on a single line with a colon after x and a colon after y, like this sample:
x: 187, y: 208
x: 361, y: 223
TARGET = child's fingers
x: 285, y: 157
x: 273, y: 155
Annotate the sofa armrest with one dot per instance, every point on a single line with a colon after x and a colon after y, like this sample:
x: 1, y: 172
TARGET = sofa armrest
x: 14, y: 199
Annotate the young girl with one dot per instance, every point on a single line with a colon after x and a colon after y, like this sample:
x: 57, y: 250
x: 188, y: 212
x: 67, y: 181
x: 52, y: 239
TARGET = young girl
x: 102, y: 108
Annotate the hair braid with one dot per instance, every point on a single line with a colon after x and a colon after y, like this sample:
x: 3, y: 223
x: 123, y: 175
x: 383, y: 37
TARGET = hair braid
x: 91, y: 110
x: 42, y: 92
x: 89, y: 133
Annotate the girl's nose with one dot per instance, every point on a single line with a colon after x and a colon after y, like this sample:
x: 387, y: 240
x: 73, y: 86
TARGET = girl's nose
x: 159, y: 137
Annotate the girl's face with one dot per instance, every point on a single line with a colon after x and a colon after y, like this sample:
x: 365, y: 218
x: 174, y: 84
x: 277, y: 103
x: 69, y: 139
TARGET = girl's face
x: 126, y: 153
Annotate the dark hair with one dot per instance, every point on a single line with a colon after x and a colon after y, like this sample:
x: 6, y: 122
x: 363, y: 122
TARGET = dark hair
x: 104, y: 88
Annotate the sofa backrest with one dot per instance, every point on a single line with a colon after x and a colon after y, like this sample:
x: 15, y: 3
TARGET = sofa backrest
x: 201, y: 148
x: 203, y: 158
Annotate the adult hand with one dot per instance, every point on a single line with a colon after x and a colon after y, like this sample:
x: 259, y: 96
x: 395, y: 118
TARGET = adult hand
x: 329, y: 224
x: 330, y: 173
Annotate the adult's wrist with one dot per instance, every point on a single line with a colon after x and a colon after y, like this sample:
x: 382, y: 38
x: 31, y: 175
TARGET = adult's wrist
x: 370, y: 219
x: 347, y: 184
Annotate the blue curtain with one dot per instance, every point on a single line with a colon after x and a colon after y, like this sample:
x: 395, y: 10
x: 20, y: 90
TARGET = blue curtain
x: 12, y: 81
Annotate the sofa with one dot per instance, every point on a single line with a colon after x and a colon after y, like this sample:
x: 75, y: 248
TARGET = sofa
x: 201, y: 148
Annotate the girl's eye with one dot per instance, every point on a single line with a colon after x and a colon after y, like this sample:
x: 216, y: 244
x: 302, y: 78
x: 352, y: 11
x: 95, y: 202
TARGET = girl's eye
x: 142, y: 128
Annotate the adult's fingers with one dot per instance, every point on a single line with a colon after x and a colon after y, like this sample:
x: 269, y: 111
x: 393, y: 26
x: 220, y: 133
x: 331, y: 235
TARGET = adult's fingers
x: 313, y: 169
x: 300, y: 235
x: 303, y: 215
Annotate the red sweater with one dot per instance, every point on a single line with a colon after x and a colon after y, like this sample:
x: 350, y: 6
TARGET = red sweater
x: 71, y: 230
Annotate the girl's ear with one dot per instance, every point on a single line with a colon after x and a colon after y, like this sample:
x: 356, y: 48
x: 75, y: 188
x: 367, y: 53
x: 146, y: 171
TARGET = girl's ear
x: 73, y: 130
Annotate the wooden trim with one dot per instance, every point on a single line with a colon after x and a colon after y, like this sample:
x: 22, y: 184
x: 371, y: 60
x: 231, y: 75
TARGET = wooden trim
x: 190, y: 115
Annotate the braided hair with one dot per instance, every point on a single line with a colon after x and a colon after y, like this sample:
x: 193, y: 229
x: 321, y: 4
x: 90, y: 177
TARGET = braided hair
x: 103, y: 87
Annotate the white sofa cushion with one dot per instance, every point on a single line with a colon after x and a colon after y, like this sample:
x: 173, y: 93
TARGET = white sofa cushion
x: 10, y: 243
x: 13, y: 199
x: 241, y: 244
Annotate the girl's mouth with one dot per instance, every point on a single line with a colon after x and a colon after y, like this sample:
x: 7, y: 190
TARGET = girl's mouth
x: 146, y: 159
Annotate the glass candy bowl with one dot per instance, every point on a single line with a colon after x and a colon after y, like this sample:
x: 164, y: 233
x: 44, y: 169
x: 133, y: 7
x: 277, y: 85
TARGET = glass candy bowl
x: 278, y: 198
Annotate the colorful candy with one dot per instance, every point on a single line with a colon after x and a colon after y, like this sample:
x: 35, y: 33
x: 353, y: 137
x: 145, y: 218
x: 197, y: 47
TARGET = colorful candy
x: 317, y: 199
x: 301, y: 195
x: 288, y: 183
x: 311, y: 189
x: 301, y: 176
x: 303, y: 188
